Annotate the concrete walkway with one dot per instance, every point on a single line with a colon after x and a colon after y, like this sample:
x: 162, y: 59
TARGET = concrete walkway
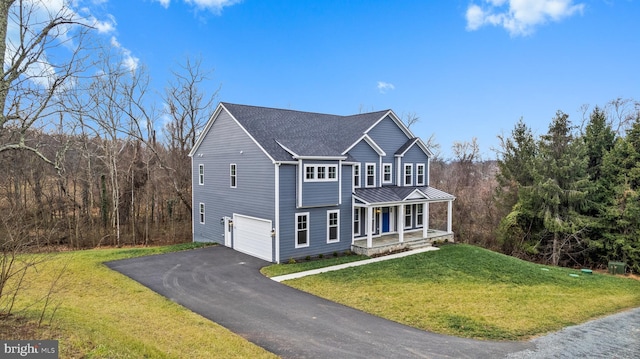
x: 282, y: 278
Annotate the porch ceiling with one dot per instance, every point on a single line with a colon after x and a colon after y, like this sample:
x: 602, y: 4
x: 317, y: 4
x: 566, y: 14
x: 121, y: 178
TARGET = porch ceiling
x: 396, y: 194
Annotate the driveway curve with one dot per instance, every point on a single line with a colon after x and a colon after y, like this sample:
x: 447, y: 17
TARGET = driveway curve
x: 226, y: 287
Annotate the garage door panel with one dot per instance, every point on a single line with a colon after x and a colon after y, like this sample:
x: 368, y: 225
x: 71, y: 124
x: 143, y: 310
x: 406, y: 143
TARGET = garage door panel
x: 252, y: 236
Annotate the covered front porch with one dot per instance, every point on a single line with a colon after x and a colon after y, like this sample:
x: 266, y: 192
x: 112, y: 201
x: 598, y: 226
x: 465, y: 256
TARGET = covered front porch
x: 389, y: 243
x: 390, y: 219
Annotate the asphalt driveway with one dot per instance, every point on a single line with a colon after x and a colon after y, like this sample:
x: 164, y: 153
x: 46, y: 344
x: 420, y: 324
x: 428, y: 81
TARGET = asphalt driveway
x: 226, y: 287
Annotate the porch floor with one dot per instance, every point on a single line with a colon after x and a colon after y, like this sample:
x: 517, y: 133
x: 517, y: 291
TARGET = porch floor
x: 390, y: 242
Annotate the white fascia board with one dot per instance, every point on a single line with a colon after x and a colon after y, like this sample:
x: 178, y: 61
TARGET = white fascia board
x: 248, y: 134
x: 295, y: 155
x: 374, y: 145
x: 412, y: 195
x: 206, y: 130
x: 324, y: 158
x: 397, y: 121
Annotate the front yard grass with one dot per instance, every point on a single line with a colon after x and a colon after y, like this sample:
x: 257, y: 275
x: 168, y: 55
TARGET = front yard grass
x: 101, y: 313
x: 471, y: 292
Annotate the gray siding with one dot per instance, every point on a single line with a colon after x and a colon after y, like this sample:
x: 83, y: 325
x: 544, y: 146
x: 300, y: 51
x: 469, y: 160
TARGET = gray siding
x: 363, y: 153
x: 227, y: 143
x: 317, y: 218
x: 415, y: 155
x: 319, y: 193
x: 390, y: 138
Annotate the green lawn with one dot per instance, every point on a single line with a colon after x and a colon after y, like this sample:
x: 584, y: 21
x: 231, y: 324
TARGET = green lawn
x: 472, y: 292
x: 103, y: 314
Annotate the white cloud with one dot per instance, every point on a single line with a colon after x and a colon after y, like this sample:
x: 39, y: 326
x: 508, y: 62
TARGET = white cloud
x: 519, y: 17
x: 214, y: 6
x: 129, y: 61
x: 383, y: 87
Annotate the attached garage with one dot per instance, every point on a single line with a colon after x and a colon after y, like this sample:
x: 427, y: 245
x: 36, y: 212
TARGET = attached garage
x: 252, y: 236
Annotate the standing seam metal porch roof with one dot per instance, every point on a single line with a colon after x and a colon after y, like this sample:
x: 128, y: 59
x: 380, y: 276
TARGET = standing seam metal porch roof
x: 395, y: 194
x: 303, y: 133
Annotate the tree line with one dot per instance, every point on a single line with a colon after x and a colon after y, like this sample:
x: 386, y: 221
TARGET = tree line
x: 567, y: 197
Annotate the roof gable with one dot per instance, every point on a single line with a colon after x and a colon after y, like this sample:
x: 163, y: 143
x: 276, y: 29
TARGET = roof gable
x: 285, y: 134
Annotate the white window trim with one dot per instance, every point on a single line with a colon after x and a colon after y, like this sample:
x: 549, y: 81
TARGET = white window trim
x: 404, y: 174
x: 201, y: 174
x: 356, y: 221
x: 336, y: 211
x: 201, y: 210
x: 424, y: 174
x: 408, y: 213
x: 419, y: 214
x: 315, y: 173
x: 233, y: 177
x: 384, y: 167
x: 366, y: 175
x: 296, y: 230
x: 358, y: 176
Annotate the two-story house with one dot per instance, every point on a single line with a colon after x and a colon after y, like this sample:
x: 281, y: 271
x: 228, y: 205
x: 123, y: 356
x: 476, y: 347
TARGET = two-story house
x: 280, y: 184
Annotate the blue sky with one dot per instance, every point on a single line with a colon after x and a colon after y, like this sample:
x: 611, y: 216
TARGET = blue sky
x: 467, y: 68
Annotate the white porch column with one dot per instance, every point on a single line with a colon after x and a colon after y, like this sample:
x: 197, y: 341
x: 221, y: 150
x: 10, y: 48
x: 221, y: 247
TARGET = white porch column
x: 425, y: 219
x: 449, y: 216
x: 401, y: 223
x: 369, y: 225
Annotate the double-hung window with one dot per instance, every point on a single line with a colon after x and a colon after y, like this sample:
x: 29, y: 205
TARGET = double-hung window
x: 356, y: 176
x: 371, y: 175
x: 233, y: 175
x: 356, y: 221
x: 387, y: 170
x: 201, y: 213
x: 408, y: 174
x: 419, y: 215
x: 333, y: 226
x: 201, y: 174
x: 408, y: 217
x: 420, y: 175
x: 302, y: 230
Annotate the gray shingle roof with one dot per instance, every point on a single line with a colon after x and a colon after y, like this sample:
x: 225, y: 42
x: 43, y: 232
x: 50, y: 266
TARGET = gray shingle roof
x: 304, y: 133
x: 393, y: 194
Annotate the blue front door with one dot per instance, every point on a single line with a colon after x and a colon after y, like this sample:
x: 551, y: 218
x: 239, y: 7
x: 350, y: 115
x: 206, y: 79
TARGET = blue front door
x: 385, y: 220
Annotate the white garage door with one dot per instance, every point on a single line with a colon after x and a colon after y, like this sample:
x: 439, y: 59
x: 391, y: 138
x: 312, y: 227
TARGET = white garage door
x: 252, y: 236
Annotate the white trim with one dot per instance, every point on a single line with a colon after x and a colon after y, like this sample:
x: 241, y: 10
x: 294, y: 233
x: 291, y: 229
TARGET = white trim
x: 210, y: 122
x: 370, y: 142
x: 366, y: 175
x: 384, y: 165
x: 424, y: 174
x: 356, y: 230
x: 316, y: 173
x: 404, y: 175
x: 329, y: 212
x: 408, y: 212
x: 419, y: 215
x: 276, y: 226
x: 398, y: 171
x: 324, y: 158
x: 233, y: 175
x: 299, y: 181
x: 201, y: 212
x: 353, y: 176
x: 201, y: 174
x: 339, y: 175
x: 295, y: 227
